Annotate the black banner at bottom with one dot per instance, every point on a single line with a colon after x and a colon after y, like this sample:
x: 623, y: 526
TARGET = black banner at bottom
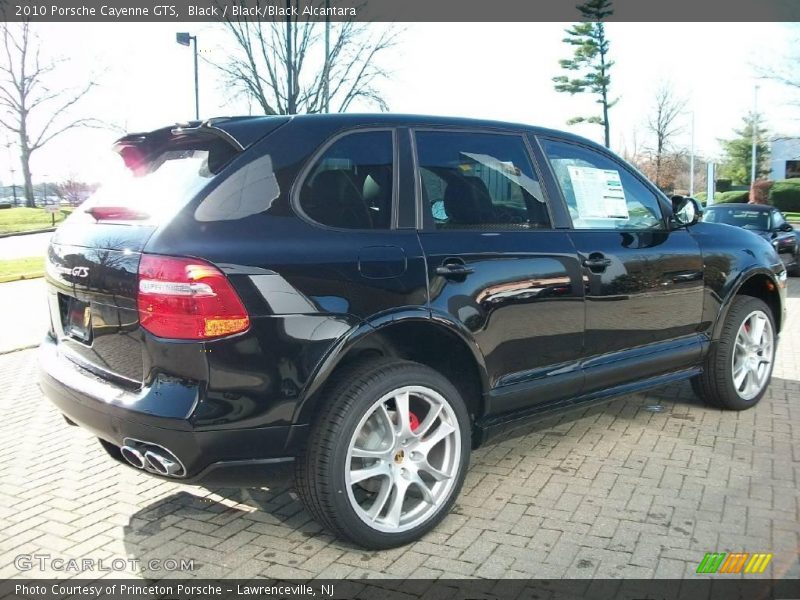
x: 396, y: 589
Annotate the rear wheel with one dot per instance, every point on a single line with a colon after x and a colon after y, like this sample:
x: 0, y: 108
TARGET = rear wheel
x: 738, y: 368
x: 387, y: 455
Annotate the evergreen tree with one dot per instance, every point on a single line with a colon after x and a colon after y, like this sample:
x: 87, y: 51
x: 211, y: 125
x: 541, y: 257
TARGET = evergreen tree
x: 736, y: 165
x: 590, y: 63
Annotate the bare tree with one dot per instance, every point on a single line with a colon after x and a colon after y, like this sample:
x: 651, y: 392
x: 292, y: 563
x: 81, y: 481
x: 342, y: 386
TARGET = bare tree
x: 783, y: 69
x: 25, y: 95
x: 281, y: 66
x: 664, y: 124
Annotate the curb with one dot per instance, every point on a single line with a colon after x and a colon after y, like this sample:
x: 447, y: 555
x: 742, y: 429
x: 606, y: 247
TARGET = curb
x: 28, y: 347
x: 24, y: 277
x: 15, y: 233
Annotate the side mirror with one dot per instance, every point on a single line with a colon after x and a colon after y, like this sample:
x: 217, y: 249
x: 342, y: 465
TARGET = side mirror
x: 685, y: 211
x: 786, y: 227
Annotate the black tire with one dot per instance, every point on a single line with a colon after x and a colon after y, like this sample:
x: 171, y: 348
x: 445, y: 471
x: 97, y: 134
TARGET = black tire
x: 320, y: 467
x: 715, y: 385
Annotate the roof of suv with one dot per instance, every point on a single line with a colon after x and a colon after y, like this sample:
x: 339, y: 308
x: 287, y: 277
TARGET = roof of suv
x: 247, y: 129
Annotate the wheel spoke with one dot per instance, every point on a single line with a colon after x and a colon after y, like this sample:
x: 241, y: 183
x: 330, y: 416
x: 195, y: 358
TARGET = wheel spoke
x: 379, y: 454
x: 440, y: 433
x: 437, y: 474
x: 387, y: 419
x: 739, y: 374
x: 398, y: 498
x: 403, y: 419
x: 378, y: 470
x: 757, y: 328
x: 427, y: 496
x: 381, y: 498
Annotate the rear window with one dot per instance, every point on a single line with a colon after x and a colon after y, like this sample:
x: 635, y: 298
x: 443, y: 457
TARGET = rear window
x: 158, y: 185
x: 741, y: 217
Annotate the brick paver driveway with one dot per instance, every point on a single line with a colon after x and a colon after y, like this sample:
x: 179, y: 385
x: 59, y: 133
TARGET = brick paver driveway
x: 615, y: 491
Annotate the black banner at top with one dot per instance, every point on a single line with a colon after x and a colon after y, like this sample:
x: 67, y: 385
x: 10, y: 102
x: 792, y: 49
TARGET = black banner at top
x: 143, y: 11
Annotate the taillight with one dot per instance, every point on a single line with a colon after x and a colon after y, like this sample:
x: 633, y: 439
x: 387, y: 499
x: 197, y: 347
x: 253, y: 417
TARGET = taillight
x: 187, y: 299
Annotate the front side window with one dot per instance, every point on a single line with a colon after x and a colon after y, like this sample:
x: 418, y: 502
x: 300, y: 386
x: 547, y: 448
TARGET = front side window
x: 600, y: 194
x: 479, y: 181
x: 350, y: 185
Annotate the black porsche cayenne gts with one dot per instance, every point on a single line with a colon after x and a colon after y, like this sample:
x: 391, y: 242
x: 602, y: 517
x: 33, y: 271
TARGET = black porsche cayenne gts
x: 369, y: 297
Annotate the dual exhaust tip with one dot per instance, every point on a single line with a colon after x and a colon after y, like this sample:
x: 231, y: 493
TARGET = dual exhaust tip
x: 151, y: 457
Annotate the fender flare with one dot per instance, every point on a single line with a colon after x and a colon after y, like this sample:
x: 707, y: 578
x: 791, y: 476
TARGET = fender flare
x: 741, y: 279
x: 373, y: 326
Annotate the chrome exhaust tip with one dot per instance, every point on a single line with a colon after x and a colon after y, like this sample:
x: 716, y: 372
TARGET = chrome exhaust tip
x: 161, y: 464
x: 133, y: 456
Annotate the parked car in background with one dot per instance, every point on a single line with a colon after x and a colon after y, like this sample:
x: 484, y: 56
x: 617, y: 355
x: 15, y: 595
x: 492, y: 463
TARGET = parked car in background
x: 766, y: 221
x: 369, y: 297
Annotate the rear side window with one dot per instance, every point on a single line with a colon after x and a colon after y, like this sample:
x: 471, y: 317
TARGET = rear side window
x: 350, y: 185
x: 479, y: 181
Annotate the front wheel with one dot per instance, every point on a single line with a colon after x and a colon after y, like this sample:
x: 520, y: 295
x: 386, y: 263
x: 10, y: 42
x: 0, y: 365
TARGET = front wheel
x: 738, y: 368
x: 387, y: 455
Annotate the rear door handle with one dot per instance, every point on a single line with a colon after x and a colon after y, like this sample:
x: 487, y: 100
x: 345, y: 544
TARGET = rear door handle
x: 454, y: 270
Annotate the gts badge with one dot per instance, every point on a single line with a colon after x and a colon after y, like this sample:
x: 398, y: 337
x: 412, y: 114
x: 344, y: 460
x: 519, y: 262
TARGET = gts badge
x: 81, y: 272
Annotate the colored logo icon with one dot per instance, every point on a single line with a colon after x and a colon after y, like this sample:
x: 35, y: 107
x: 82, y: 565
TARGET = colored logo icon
x: 735, y: 562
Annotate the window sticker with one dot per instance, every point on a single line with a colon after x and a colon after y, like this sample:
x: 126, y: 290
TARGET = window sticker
x: 598, y: 193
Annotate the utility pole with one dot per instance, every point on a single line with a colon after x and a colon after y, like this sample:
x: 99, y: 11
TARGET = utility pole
x: 755, y: 137
x: 290, y: 83
x: 691, y: 162
x: 326, y: 89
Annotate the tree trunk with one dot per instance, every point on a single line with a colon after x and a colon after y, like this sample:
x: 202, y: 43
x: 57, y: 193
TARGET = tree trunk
x: 606, y: 128
x: 25, y: 159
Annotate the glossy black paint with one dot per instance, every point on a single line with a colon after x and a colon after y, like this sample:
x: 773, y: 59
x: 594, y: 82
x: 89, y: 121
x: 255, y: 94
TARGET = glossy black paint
x: 526, y: 321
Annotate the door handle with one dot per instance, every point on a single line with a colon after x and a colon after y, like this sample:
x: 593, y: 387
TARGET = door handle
x: 596, y: 261
x: 454, y: 270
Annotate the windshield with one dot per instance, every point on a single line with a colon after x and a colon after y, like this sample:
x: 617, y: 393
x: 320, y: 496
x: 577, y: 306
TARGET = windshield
x: 757, y: 220
x: 163, y: 184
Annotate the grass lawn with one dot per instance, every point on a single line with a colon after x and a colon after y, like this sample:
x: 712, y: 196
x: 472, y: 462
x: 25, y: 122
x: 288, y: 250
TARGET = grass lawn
x: 13, y: 220
x: 21, y: 268
x: 792, y: 216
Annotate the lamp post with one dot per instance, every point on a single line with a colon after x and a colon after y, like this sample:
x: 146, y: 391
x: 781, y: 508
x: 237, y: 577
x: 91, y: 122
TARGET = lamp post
x: 184, y: 39
x: 755, y: 137
x: 326, y: 89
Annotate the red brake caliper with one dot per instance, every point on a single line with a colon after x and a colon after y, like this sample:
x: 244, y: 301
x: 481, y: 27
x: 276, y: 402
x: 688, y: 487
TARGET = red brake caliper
x: 413, y: 421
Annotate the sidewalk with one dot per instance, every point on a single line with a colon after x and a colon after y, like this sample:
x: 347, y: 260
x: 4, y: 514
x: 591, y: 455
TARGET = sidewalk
x: 23, y: 314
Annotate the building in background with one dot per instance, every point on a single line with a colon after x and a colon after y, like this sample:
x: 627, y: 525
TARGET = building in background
x: 785, y: 158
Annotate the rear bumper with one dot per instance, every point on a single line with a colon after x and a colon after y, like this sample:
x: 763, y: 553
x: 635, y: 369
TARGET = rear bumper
x: 232, y: 456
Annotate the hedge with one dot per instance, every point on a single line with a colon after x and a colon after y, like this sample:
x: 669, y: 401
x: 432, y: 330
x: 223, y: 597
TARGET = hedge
x: 733, y: 196
x: 785, y: 195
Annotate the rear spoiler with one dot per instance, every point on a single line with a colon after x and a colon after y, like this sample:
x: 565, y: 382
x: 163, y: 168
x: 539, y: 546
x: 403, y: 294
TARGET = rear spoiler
x: 239, y: 132
x: 136, y: 148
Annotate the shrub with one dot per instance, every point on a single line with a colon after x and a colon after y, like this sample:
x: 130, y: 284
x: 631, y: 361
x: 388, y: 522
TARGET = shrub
x: 732, y: 196
x: 5, y: 205
x: 701, y: 197
x: 785, y: 195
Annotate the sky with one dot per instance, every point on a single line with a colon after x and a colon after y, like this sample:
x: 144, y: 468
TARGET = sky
x: 499, y: 71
